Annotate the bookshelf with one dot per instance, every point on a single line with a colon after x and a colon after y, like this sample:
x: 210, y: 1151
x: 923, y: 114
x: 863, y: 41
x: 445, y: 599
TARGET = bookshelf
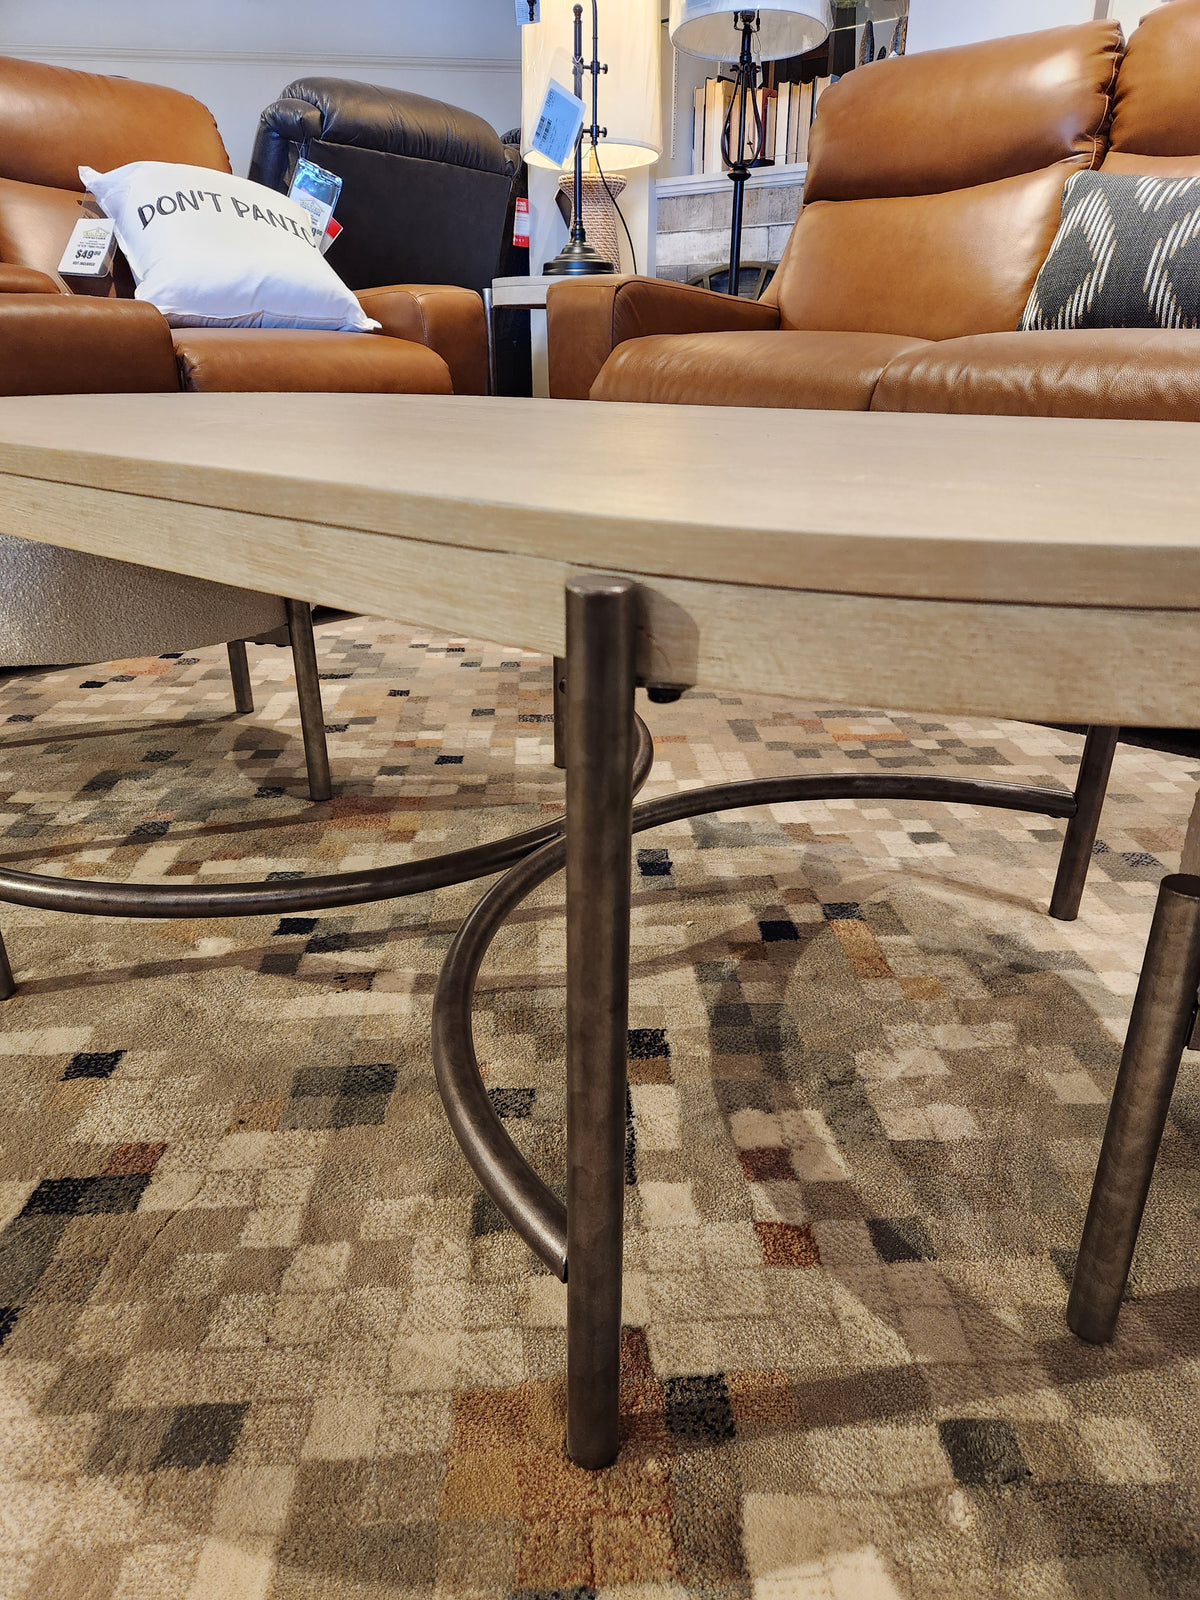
x: 684, y: 75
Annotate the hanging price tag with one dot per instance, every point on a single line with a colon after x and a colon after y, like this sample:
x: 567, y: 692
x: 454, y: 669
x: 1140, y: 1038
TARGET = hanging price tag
x: 89, y: 250
x: 521, y: 225
x: 559, y: 123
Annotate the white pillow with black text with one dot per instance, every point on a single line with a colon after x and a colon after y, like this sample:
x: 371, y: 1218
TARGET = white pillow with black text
x: 214, y: 251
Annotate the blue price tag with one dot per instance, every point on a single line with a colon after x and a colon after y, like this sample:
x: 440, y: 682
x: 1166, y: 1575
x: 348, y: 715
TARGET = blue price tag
x: 558, y: 125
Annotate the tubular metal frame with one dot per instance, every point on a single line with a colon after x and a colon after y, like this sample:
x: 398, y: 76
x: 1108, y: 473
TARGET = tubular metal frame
x: 1091, y: 785
x: 239, y: 671
x: 1161, y: 1026
x: 608, y: 755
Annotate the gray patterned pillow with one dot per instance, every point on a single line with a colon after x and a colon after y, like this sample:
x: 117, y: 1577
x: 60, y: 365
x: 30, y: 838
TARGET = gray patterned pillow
x: 1126, y: 255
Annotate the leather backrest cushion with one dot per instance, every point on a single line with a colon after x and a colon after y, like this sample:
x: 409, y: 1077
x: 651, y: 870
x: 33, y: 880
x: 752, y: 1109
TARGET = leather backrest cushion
x: 399, y: 123
x: 53, y: 119
x: 953, y: 119
x: 1158, y: 92
x: 409, y: 221
x: 929, y: 266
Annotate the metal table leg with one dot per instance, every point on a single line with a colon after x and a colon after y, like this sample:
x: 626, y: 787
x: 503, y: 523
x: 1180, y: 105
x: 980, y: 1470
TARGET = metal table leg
x: 239, y: 671
x: 8, y: 984
x: 1091, y: 785
x: 601, y: 636
x: 560, y: 711
x: 308, y: 689
x: 1163, y: 1018
x: 489, y: 313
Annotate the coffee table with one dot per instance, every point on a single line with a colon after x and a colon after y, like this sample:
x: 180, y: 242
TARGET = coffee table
x: 1040, y: 569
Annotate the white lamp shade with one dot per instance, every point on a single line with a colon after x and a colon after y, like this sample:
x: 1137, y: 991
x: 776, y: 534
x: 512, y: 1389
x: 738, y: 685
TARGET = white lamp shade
x: 787, y: 28
x: 630, y: 91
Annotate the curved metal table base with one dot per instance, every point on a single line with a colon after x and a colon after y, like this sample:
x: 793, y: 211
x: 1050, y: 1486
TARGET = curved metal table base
x: 332, y: 892
x: 539, y: 1216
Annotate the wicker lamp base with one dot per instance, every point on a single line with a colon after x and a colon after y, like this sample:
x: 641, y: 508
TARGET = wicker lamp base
x: 599, y: 212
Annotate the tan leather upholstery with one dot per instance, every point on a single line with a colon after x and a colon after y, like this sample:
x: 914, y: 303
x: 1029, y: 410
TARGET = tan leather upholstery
x: 446, y: 319
x: 934, y: 193
x: 1152, y: 166
x: 51, y: 120
x: 952, y: 119
x: 25, y: 280
x: 932, y: 266
x: 286, y: 360
x: 59, y: 344
x: 588, y: 318
x: 1147, y: 373
x: 48, y: 115
x: 1157, y: 108
x: 35, y: 224
x: 811, y: 371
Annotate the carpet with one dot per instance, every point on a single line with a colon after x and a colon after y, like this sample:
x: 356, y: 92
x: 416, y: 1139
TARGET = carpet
x: 263, y: 1339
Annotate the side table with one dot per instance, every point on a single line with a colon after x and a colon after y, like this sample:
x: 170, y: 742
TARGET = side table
x: 521, y: 294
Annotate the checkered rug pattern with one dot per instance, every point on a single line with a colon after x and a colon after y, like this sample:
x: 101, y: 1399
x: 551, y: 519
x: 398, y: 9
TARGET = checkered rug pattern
x: 263, y: 1339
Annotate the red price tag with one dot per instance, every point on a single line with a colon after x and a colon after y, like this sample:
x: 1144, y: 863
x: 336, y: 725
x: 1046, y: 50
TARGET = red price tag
x: 521, y: 225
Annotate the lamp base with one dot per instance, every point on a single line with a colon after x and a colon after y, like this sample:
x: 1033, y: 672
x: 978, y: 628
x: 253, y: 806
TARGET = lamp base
x: 577, y: 259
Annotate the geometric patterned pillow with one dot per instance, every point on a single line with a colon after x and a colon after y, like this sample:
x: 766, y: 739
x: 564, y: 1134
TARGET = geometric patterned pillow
x: 1126, y: 255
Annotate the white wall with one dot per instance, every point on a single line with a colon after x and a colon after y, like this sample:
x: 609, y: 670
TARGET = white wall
x: 1130, y: 12
x: 934, y: 24
x: 236, y: 55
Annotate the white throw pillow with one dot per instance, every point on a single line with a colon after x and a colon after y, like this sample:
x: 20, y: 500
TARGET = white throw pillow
x: 214, y: 251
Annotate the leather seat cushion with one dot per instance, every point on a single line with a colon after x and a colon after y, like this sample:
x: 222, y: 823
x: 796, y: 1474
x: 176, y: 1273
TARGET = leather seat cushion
x: 806, y: 371
x: 1151, y: 374
x: 291, y: 361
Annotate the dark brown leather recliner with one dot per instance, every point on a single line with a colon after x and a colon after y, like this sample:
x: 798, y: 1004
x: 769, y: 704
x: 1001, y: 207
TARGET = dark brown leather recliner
x: 426, y: 187
x: 52, y: 120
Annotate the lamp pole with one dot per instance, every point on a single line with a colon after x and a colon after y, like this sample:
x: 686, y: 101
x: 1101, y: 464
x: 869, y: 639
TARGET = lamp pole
x: 745, y: 89
x: 578, y: 258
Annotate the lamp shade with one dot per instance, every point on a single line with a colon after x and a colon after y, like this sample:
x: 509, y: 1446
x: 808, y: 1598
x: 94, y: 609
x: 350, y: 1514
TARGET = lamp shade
x: 787, y: 28
x: 630, y: 91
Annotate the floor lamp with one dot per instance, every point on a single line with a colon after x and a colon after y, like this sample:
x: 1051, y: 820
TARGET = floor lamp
x: 711, y: 28
x: 629, y: 102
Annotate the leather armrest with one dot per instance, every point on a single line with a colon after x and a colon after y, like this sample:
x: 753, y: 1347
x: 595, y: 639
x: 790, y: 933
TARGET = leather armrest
x: 66, y: 344
x: 586, y: 319
x: 283, y: 126
x: 27, y: 280
x: 448, y: 320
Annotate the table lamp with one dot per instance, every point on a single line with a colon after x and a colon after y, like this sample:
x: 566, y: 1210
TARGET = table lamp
x: 711, y: 28
x: 630, y: 101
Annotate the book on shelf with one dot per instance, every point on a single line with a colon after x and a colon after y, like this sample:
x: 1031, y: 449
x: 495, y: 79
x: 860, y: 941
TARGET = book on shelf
x: 804, y: 121
x: 718, y: 92
x: 779, y: 144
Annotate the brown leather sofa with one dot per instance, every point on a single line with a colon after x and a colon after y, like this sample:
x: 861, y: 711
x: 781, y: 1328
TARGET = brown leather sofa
x: 434, y: 337
x: 933, y: 195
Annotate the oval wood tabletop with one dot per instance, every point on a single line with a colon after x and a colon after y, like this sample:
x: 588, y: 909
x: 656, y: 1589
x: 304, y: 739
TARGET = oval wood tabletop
x: 1030, y: 567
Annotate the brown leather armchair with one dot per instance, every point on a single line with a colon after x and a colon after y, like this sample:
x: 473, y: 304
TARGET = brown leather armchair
x: 434, y: 338
x: 62, y: 607
x: 933, y: 194
x: 932, y: 198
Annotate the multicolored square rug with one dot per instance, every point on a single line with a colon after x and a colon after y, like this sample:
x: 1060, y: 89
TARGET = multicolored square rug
x: 264, y: 1340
